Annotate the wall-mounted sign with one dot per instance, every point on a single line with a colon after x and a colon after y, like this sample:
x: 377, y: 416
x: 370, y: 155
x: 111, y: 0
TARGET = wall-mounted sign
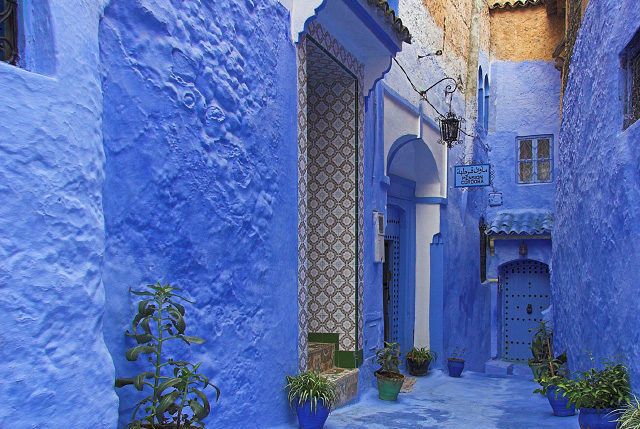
x: 474, y: 175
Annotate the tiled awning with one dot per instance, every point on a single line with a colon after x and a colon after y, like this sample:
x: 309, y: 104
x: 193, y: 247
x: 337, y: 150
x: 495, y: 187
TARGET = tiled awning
x: 392, y: 19
x: 509, y: 4
x: 521, y: 222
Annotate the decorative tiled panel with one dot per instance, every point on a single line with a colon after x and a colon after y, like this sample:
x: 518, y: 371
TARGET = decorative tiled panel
x: 302, y: 206
x: 331, y: 206
x: 331, y: 189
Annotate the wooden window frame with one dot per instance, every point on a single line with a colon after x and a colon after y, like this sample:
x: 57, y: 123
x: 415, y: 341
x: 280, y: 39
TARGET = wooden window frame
x: 534, y: 159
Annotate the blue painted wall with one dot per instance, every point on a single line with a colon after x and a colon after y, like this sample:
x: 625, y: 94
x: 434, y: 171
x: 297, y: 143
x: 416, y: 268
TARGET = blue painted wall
x: 466, y: 300
x: 56, y: 371
x: 595, y: 267
x: 200, y: 191
x: 524, y: 101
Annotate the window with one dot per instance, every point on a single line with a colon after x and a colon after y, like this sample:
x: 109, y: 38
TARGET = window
x: 480, y: 98
x: 534, y: 159
x: 486, y: 102
x: 630, y: 59
x: 9, y: 31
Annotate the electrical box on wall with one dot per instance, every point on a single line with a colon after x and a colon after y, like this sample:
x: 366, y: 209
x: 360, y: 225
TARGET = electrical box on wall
x: 378, y: 224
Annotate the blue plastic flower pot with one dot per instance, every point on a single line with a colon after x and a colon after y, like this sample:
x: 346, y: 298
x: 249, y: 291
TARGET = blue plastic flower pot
x: 455, y: 367
x: 591, y: 418
x: 312, y: 420
x: 559, y: 403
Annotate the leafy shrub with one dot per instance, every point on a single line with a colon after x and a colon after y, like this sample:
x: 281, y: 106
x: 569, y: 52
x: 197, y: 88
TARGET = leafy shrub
x: 605, y: 388
x: 421, y: 355
x: 160, y: 319
x: 310, y: 386
x: 388, y: 357
x: 457, y: 353
x: 630, y: 415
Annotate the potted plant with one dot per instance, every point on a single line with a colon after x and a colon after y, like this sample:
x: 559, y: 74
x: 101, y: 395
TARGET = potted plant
x: 419, y: 359
x: 177, y: 399
x: 540, y: 349
x: 598, y: 394
x: 455, y: 363
x: 315, y: 396
x: 629, y: 415
x: 549, y: 381
x: 389, y: 378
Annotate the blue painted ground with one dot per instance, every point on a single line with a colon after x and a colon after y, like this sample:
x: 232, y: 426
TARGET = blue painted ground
x: 438, y: 401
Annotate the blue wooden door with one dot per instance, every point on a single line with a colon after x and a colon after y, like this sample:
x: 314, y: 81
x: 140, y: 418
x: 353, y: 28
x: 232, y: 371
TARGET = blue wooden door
x: 392, y: 237
x: 525, y: 294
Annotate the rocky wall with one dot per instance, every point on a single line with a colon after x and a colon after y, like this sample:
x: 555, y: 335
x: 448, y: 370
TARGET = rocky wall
x: 525, y: 33
x: 200, y: 142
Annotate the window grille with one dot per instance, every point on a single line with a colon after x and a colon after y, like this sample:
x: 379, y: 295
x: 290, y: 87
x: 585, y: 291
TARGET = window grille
x: 535, y: 159
x: 9, y: 31
x: 630, y: 60
x: 634, y: 90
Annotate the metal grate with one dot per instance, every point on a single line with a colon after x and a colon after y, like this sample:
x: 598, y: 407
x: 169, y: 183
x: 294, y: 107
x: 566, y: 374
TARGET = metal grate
x: 9, y: 31
x: 393, y: 235
x: 526, y: 293
x: 634, y: 72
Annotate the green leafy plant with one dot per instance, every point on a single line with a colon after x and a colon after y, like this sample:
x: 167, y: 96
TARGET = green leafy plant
x: 630, y: 415
x: 557, y: 371
x: 541, y: 342
x: 176, y: 385
x: 313, y: 387
x: 421, y: 355
x: 457, y: 354
x: 388, y: 358
x: 600, y: 389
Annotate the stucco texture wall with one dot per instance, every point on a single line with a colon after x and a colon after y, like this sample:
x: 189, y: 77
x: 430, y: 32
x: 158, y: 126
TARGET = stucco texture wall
x: 594, y: 266
x: 56, y: 371
x: 467, y: 305
x: 200, y: 144
x: 525, y: 99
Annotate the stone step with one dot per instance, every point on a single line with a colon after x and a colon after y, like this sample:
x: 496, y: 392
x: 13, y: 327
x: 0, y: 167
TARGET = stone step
x: 505, y: 368
x: 320, y: 356
x: 346, y: 381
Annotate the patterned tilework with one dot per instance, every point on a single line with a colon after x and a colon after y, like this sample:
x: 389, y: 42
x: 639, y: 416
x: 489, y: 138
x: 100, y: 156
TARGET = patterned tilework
x: 337, y: 277
x: 331, y: 207
x: 302, y: 206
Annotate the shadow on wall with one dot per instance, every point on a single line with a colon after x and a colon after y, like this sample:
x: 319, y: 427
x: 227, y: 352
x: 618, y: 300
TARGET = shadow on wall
x: 199, y: 124
x: 36, y: 49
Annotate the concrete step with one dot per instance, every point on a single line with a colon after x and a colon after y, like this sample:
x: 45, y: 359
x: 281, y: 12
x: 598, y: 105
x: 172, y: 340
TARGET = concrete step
x: 320, y: 356
x: 346, y: 381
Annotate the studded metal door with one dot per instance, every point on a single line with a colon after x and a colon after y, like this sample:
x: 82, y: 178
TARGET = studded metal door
x: 525, y: 294
x: 392, y: 237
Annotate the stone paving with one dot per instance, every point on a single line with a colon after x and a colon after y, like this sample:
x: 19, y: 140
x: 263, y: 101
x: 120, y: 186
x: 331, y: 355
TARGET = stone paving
x: 474, y: 401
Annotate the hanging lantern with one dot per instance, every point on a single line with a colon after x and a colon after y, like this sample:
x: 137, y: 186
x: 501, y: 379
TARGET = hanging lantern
x: 450, y: 129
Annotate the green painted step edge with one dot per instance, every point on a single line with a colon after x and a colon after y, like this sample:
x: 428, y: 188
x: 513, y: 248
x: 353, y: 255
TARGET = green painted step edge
x: 349, y: 359
x: 341, y: 358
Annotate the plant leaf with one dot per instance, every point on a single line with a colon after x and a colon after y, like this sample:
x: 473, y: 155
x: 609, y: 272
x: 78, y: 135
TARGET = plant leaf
x: 177, y: 320
x: 138, y: 381
x: 165, y: 385
x: 120, y: 382
x: 199, y: 411
x: 205, y: 402
x: 195, y: 340
x: 133, y: 353
x: 165, y: 401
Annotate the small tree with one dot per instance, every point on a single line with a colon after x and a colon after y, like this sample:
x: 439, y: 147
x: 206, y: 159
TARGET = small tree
x: 160, y: 319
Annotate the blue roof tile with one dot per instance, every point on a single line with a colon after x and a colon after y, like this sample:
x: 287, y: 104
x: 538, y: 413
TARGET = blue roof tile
x: 521, y: 222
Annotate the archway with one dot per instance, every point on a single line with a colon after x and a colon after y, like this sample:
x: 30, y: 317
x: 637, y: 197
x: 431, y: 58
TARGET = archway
x: 414, y: 189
